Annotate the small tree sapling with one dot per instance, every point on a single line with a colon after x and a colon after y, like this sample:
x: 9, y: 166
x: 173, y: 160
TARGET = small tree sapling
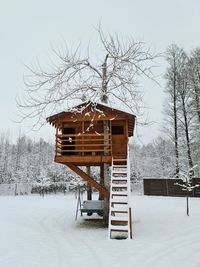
x: 187, y: 185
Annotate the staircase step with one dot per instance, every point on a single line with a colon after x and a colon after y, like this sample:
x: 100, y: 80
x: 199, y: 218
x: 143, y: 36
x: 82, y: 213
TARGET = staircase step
x: 118, y: 195
x: 120, y: 162
x: 119, y: 172
x: 119, y: 202
x: 119, y: 186
x: 119, y: 176
x: 119, y: 179
x: 118, y: 228
x: 118, y: 219
x: 119, y: 199
x: 125, y: 159
x: 119, y: 191
x: 114, y: 211
x: 119, y: 166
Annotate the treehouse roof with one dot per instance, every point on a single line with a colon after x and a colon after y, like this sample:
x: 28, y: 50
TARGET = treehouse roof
x: 92, y: 111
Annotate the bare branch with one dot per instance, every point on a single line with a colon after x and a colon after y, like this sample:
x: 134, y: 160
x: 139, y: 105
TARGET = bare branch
x: 72, y: 77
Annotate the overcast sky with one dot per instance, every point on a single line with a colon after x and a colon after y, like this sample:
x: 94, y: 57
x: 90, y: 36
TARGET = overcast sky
x: 28, y: 29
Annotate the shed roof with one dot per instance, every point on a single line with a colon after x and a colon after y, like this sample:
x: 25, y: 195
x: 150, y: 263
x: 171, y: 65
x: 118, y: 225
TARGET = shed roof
x: 85, y: 111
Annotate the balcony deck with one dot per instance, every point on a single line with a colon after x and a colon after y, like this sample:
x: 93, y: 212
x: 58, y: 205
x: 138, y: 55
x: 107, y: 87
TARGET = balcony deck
x: 83, y: 149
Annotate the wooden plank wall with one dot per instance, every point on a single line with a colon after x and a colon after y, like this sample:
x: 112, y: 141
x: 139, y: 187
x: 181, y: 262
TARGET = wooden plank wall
x: 168, y: 187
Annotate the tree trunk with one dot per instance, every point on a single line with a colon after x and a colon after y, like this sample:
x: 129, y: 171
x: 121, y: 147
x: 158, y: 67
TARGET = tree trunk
x: 106, y: 175
x: 175, y: 122
x: 104, y: 99
x: 89, y: 188
x: 197, y: 96
x: 197, y: 102
x: 190, y: 162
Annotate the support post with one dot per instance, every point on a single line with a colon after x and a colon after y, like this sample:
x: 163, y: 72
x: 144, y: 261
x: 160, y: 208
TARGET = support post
x: 89, y: 188
x: 130, y: 223
x: 101, y: 180
x: 56, y: 139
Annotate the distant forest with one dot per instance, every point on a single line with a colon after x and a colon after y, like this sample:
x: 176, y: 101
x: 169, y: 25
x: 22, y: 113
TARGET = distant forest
x: 28, y: 161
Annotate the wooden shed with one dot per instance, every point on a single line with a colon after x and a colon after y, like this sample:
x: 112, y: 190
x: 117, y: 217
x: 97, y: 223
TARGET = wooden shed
x: 93, y: 134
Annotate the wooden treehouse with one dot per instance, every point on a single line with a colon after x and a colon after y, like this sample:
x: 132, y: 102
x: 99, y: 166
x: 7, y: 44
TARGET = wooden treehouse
x: 94, y: 135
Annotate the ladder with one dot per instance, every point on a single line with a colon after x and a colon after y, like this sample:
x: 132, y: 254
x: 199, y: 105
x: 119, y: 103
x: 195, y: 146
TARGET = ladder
x: 120, y: 222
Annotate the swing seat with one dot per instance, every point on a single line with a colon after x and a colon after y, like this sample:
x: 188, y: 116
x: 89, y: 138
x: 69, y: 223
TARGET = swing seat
x: 92, y: 206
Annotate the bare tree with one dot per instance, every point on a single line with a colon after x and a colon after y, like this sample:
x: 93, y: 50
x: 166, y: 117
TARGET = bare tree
x: 187, y: 185
x: 180, y: 111
x: 194, y: 80
x: 172, y: 56
x: 194, y: 86
x: 75, y: 77
x: 184, y: 94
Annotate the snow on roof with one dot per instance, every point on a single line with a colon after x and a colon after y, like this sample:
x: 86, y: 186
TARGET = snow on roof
x: 94, y: 107
x: 82, y: 107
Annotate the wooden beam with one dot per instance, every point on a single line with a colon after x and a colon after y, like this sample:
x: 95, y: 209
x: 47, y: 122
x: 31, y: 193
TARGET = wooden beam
x: 89, y: 179
x: 84, y: 150
x: 83, y: 135
x: 84, y: 160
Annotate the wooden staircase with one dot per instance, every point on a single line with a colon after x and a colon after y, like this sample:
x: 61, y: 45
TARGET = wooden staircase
x: 120, y: 222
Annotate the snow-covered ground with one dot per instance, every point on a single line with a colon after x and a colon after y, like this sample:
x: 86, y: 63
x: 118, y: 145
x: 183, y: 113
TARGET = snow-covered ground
x: 42, y: 232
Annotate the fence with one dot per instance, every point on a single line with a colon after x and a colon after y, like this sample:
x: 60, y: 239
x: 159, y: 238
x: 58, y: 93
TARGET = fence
x: 35, y: 188
x: 168, y: 187
x: 15, y: 189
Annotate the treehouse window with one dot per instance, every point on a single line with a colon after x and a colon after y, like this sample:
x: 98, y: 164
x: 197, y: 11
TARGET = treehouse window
x: 68, y: 130
x: 117, y: 130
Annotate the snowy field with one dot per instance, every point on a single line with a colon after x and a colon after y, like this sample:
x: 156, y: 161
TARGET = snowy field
x: 42, y: 232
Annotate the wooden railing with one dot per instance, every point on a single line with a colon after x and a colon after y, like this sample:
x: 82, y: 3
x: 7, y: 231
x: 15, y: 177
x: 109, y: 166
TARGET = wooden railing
x: 83, y: 144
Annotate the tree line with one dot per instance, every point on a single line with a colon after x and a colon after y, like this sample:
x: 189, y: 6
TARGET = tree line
x: 29, y: 161
x: 177, y: 150
x: 182, y: 107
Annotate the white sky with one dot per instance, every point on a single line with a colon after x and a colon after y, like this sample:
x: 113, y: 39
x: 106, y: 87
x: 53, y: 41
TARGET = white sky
x: 29, y: 28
